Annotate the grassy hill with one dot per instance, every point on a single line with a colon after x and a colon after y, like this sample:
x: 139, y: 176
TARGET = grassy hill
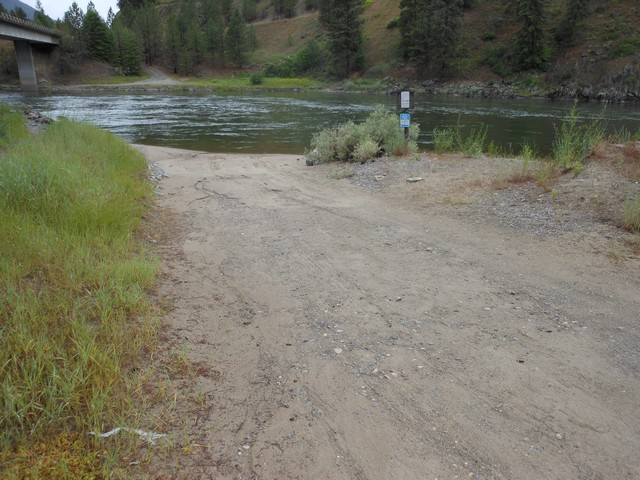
x: 604, y: 55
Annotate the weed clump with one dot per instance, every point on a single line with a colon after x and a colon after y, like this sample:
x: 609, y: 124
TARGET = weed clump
x: 631, y: 215
x: 380, y: 134
x: 573, y: 141
x: 472, y: 144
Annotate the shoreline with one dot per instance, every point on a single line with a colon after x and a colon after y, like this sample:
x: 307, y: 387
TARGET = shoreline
x: 493, y: 89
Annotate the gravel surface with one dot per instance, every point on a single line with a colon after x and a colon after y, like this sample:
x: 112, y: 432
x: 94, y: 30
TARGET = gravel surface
x: 456, y: 326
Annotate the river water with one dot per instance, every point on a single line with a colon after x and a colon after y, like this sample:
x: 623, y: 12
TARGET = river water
x: 286, y: 122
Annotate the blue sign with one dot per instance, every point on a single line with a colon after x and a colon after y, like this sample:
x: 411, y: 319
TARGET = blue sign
x: 405, y: 120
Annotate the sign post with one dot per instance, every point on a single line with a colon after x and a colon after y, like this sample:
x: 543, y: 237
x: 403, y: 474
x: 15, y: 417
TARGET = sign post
x: 405, y: 103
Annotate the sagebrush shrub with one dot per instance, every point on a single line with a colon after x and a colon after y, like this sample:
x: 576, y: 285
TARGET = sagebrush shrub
x: 380, y: 134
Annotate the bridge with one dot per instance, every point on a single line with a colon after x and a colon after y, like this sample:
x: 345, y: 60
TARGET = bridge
x: 24, y: 34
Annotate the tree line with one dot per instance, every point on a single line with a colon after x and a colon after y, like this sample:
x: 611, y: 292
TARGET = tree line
x: 183, y: 35
x: 180, y: 36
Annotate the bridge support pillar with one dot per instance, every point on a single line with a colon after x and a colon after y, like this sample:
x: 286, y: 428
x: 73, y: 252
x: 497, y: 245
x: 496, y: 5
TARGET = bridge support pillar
x: 26, y: 67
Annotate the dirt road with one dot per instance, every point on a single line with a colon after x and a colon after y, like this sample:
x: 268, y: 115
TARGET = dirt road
x: 334, y: 332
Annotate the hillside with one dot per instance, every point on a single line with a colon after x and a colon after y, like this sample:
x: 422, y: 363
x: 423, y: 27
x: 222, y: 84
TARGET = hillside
x: 599, y: 61
x: 602, y: 62
x: 13, y: 4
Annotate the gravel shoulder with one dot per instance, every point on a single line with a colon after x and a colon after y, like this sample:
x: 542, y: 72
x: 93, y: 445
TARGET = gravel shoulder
x: 373, y: 328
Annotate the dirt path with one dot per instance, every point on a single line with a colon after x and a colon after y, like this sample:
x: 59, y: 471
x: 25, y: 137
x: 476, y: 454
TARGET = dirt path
x: 340, y: 333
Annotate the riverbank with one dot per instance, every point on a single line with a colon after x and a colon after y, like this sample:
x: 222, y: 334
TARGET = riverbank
x: 491, y: 89
x: 488, y: 331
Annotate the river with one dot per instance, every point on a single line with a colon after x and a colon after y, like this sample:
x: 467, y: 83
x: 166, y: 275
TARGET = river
x: 286, y: 122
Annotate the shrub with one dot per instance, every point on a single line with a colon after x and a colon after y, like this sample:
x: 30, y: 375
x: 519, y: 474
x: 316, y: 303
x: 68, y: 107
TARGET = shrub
x: 366, y: 150
x: 282, y: 67
x: 473, y: 144
x: 309, y: 59
x: 380, y: 134
x: 256, y: 78
x: 444, y: 139
x: 348, y: 138
x: 527, y: 152
x: 573, y: 142
x: 489, y: 36
x: 494, y: 150
x: 452, y: 140
x: 496, y: 58
x: 393, y: 23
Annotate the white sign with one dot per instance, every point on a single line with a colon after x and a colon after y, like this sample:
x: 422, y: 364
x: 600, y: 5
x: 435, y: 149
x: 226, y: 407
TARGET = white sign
x: 405, y: 120
x: 405, y: 99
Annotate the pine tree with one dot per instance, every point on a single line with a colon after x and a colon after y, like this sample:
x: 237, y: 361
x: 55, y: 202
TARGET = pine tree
x: 74, y: 17
x: 430, y: 32
x: 214, y: 40
x: 237, y: 47
x: 249, y: 10
x: 128, y: 50
x: 445, y: 24
x: 110, y: 17
x: 194, y: 41
x: 342, y: 20
x: 530, y: 51
x: 19, y: 13
x: 576, y: 11
x: 286, y: 8
x: 97, y: 36
x: 226, y: 9
x: 146, y: 23
x: 172, y: 44
x: 41, y: 18
x: 72, y: 47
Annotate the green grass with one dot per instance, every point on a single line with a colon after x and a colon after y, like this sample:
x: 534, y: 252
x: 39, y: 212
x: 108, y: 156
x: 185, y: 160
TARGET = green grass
x: 365, y: 85
x: 115, y: 79
x: 74, y: 315
x: 13, y: 126
x: 243, y: 82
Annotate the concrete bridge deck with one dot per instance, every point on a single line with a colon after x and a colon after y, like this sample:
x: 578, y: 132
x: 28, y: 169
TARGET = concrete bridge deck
x: 24, y: 34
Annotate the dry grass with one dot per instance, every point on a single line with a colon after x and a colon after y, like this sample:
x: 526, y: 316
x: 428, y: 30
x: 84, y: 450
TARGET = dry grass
x: 284, y: 37
x: 524, y: 171
x: 623, y: 158
x: 380, y: 43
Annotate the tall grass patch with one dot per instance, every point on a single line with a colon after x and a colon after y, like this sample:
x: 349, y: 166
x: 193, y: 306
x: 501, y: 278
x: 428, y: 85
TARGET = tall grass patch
x: 74, y: 315
x: 453, y: 139
x: 13, y: 126
x: 573, y: 141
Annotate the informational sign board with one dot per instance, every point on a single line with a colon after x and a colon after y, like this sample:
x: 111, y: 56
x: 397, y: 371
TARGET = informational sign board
x: 405, y: 99
x: 405, y: 120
